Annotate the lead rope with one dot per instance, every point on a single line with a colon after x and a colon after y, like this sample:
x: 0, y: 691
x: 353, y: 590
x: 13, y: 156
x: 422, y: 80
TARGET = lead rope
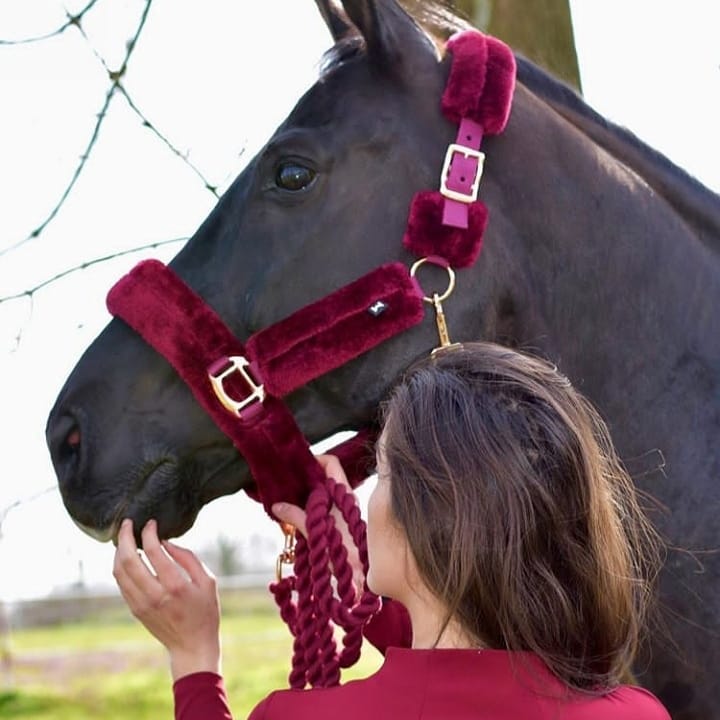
x: 321, y: 604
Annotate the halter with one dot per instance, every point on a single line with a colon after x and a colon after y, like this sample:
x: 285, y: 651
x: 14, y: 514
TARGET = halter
x: 241, y: 386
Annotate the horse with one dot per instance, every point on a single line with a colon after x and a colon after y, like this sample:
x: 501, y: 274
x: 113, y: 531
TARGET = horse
x: 600, y: 255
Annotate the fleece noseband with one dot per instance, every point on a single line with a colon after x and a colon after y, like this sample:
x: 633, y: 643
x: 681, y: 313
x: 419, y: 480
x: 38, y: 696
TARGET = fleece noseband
x: 241, y: 384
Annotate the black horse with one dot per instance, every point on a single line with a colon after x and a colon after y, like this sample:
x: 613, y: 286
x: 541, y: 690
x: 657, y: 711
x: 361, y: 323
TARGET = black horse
x: 600, y: 254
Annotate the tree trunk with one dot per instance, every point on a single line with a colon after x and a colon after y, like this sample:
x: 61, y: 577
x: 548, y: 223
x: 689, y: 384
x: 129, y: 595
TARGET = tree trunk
x: 540, y: 29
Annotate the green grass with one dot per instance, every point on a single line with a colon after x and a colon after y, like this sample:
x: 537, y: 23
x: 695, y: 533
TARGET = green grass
x: 112, y: 668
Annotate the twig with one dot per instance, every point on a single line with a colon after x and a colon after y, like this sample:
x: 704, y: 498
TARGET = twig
x: 183, y: 156
x: 17, y: 503
x: 72, y: 21
x: 146, y: 122
x: 75, y: 176
x: 83, y: 266
x: 115, y: 77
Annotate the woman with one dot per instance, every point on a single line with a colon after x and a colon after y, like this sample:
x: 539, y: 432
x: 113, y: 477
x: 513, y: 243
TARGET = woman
x: 501, y: 520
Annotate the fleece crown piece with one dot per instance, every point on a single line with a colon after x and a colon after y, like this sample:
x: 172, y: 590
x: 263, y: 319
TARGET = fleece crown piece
x: 478, y: 96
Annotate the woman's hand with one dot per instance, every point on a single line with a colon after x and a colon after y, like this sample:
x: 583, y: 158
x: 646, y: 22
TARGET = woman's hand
x: 296, y: 516
x: 181, y: 609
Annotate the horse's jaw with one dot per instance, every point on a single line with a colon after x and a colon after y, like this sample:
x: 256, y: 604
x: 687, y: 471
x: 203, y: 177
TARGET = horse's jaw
x: 119, y: 452
x: 170, y: 490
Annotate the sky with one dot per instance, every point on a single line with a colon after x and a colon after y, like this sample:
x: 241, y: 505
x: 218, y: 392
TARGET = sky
x: 215, y: 78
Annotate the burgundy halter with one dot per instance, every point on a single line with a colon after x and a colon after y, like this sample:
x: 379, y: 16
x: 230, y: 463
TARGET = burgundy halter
x: 241, y: 385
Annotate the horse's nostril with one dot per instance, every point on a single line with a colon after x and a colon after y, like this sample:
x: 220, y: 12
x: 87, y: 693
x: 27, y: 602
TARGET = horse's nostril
x: 70, y: 447
x: 64, y: 440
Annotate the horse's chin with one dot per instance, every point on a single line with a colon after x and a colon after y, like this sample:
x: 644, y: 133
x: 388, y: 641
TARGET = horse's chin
x: 172, y: 493
x: 101, y: 535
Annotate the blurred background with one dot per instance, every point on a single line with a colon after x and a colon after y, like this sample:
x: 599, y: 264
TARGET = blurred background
x: 122, y: 122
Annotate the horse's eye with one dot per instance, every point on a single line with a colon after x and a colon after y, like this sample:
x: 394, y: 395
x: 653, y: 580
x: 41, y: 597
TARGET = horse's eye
x: 294, y: 177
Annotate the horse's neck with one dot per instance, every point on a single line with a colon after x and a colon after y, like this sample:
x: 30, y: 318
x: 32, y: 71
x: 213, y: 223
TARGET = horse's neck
x: 698, y: 206
x: 625, y: 289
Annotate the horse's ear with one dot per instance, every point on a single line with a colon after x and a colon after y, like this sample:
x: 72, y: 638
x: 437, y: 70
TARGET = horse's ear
x: 389, y: 32
x: 334, y: 19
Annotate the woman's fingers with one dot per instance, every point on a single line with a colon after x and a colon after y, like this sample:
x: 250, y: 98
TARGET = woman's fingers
x: 292, y: 514
x: 135, y: 579
x: 332, y: 467
x: 165, y: 567
x: 189, y: 562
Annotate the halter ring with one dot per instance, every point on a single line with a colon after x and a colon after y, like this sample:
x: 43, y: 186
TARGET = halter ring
x: 440, y: 263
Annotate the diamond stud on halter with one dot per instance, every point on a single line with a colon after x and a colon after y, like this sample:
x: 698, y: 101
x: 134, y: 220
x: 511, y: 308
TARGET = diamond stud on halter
x: 377, y: 308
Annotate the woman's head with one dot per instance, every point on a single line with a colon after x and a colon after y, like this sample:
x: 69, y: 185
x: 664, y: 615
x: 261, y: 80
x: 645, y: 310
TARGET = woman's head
x: 516, y: 512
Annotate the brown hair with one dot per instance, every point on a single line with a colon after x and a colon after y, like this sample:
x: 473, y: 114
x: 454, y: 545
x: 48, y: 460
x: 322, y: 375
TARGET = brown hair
x: 518, y: 513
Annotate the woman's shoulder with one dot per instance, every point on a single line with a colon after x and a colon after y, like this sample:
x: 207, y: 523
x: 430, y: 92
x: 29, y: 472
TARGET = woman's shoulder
x: 416, y: 684
x: 625, y: 703
x: 311, y: 704
x: 637, y: 703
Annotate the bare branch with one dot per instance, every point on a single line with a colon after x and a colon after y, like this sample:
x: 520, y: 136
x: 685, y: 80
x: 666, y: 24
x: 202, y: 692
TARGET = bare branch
x: 133, y: 40
x: 72, y: 21
x: 83, y: 266
x: 115, y: 77
x: 146, y: 122
x: 7, y: 509
x: 75, y: 176
x: 183, y: 156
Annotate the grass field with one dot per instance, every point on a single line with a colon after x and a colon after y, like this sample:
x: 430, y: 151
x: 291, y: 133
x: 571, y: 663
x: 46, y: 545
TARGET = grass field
x: 110, y: 667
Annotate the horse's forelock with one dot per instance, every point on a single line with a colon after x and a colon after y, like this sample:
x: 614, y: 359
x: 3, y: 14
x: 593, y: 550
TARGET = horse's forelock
x: 341, y: 52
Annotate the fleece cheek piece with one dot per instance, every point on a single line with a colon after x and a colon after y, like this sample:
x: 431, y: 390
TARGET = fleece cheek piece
x: 328, y: 333
x: 481, y: 81
x: 478, y: 96
x: 426, y: 232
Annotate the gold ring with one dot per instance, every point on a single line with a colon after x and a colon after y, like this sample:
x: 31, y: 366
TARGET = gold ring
x: 451, y: 280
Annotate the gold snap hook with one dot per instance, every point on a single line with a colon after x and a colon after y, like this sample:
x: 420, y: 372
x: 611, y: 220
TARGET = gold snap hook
x: 443, y: 334
x: 287, y: 556
x: 440, y: 322
x: 437, y: 300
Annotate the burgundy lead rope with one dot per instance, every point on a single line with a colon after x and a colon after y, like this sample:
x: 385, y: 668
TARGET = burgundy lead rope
x: 241, y: 386
x: 316, y: 660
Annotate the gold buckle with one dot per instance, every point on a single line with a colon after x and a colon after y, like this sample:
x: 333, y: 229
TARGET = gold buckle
x: 475, y: 187
x: 257, y: 392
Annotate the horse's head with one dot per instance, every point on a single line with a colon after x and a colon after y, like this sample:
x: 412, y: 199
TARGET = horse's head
x: 325, y: 201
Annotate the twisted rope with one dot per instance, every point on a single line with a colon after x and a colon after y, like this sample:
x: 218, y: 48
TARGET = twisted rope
x: 325, y: 594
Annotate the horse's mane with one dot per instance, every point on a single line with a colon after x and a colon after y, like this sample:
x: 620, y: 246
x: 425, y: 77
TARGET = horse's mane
x: 697, y: 203
x: 436, y: 17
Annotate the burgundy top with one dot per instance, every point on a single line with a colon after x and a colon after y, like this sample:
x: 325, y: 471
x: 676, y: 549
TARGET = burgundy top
x: 457, y: 684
